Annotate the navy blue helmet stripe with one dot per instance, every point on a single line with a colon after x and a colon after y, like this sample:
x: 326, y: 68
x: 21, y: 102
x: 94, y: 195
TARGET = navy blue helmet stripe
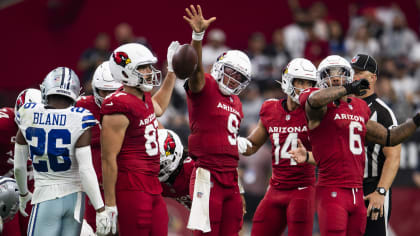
x: 69, y: 80
x: 62, y: 78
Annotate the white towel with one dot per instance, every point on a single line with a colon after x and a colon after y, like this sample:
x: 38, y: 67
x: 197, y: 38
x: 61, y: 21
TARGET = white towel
x: 199, y: 216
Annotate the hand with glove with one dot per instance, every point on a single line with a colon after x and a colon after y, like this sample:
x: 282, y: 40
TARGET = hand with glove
x: 357, y: 87
x: 112, y: 214
x: 103, y: 222
x: 23, y: 200
x: 173, y: 47
x: 243, y: 144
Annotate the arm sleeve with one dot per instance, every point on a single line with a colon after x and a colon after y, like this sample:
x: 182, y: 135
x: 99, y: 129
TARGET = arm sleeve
x: 88, y: 176
x: 20, y: 168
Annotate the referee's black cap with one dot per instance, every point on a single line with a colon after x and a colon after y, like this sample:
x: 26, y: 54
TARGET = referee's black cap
x: 363, y: 62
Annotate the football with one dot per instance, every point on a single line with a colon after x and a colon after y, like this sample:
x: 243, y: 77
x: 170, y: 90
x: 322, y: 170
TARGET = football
x: 185, y: 61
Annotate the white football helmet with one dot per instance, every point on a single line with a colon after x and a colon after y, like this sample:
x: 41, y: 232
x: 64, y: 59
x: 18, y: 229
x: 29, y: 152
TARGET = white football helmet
x: 334, y: 66
x: 9, y: 198
x: 60, y: 81
x: 28, y: 95
x: 171, y: 150
x: 102, y: 80
x: 299, y: 68
x: 125, y: 62
x: 235, y: 66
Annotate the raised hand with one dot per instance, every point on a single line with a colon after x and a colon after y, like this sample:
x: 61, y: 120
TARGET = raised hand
x: 357, y: 87
x: 173, y: 47
x: 196, y: 20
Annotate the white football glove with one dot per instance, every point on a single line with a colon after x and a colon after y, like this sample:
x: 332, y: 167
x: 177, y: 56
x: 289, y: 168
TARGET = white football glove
x: 112, y: 213
x: 22, y: 203
x: 103, y: 222
x: 243, y: 144
x: 173, y: 47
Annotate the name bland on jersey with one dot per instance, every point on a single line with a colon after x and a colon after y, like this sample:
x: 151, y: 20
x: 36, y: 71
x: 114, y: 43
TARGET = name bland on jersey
x: 148, y: 120
x: 289, y: 129
x: 49, y: 119
x: 348, y: 117
x: 228, y: 108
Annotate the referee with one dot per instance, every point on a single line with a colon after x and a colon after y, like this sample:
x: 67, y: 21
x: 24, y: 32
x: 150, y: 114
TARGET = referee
x: 381, y: 162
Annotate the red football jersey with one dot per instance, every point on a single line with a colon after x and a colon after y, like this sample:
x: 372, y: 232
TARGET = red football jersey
x: 138, y: 160
x: 88, y: 102
x: 338, y: 142
x: 180, y: 189
x: 214, y: 123
x: 8, y: 130
x: 285, y: 128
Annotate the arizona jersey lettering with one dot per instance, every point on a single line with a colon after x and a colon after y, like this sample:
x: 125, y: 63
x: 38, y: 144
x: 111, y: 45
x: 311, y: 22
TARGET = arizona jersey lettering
x: 338, y: 142
x: 284, y: 128
x: 214, y: 124
x: 51, y: 135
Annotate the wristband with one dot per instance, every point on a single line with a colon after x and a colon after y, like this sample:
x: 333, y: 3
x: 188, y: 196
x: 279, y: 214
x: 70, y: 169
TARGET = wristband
x: 198, y: 36
x: 416, y: 119
x: 307, y: 157
x: 388, y: 138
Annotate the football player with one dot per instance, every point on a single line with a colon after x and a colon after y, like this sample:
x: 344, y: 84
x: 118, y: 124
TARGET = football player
x: 215, y: 113
x: 102, y: 85
x: 56, y: 137
x: 129, y: 141
x: 176, y: 169
x: 8, y: 129
x: 290, y: 200
x: 9, y: 203
x: 338, y: 126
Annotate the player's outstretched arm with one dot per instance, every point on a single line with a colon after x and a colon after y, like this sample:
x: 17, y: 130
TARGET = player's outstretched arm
x: 199, y: 25
x: 257, y: 137
x: 112, y: 137
x: 377, y: 133
x: 162, y: 97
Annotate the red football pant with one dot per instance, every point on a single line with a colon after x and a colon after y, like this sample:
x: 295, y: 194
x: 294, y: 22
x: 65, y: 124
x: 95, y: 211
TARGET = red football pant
x: 90, y: 212
x: 225, y: 208
x: 280, y: 208
x: 341, y: 211
x: 140, y: 213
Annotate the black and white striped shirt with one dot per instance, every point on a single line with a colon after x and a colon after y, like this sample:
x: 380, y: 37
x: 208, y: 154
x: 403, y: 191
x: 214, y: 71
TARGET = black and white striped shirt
x: 375, y: 157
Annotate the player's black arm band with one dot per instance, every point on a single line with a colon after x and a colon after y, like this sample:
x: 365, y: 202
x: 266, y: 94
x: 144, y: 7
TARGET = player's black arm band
x: 416, y: 119
x: 388, y: 138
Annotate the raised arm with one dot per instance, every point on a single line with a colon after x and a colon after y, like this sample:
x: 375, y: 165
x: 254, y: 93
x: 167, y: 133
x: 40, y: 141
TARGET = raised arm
x: 199, y: 25
x: 316, y: 104
x: 162, y: 97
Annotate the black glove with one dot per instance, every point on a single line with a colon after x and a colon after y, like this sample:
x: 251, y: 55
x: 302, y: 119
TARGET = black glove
x: 357, y: 87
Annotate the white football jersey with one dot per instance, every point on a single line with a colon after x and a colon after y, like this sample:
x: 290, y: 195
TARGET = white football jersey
x: 51, y: 135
